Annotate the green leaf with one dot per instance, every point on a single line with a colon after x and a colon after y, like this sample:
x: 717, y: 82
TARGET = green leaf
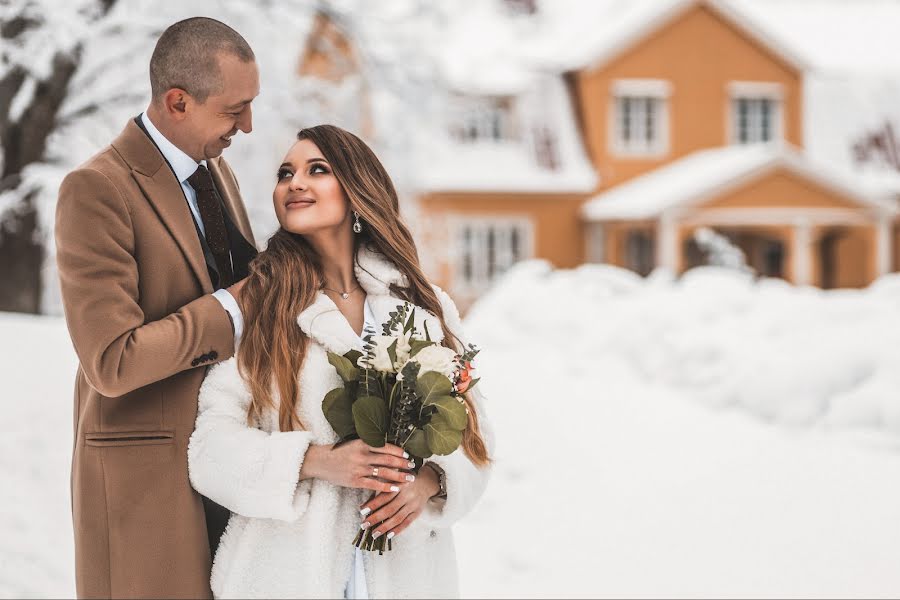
x: 346, y: 370
x: 417, y: 445
x: 472, y: 384
x: 392, y: 352
x: 337, y: 407
x: 417, y: 345
x: 441, y: 437
x: 353, y: 356
x: 431, y: 386
x: 370, y: 416
x: 411, y: 322
x: 453, y: 411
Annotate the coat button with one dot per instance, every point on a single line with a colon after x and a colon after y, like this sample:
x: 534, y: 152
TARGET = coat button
x: 213, y: 355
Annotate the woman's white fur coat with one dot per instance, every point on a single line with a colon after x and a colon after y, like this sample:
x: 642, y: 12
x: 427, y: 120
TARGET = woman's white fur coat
x: 290, y: 538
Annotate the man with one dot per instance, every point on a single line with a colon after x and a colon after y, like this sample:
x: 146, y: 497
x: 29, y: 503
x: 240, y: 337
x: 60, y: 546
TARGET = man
x: 153, y: 240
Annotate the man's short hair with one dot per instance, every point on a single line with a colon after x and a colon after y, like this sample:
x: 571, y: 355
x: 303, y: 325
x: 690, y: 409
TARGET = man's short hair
x: 186, y: 57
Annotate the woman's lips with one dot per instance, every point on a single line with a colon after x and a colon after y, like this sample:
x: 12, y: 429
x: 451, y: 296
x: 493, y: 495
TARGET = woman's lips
x: 299, y: 203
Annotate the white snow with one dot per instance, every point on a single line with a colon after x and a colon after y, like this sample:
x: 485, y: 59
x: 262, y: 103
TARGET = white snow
x: 700, y: 174
x: 703, y: 437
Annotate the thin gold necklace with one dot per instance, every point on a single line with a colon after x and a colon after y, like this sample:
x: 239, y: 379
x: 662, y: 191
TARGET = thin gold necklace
x: 344, y: 295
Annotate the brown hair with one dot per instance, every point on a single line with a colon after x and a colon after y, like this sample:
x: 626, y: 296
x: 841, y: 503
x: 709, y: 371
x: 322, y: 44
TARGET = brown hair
x: 285, y: 278
x: 186, y: 56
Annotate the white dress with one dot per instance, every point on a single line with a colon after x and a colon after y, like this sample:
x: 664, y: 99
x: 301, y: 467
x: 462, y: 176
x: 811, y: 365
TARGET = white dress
x: 356, y: 586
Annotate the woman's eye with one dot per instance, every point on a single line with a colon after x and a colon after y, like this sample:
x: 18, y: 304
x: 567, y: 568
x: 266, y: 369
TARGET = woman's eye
x: 321, y: 169
x: 282, y: 173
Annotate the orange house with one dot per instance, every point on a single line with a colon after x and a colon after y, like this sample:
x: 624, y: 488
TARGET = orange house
x: 689, y: 117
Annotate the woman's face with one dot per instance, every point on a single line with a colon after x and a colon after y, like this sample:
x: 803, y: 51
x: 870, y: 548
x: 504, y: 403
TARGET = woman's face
x: 308, y: 197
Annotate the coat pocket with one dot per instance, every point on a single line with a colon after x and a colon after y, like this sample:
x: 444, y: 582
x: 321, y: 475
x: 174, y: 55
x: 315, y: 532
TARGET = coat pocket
x: 129, y: 438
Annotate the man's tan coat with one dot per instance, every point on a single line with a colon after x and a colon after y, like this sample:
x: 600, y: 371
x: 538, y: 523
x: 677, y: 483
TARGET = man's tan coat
x: 136, y: 293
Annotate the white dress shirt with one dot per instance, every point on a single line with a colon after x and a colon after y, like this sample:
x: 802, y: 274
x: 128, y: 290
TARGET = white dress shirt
x: 184, y: 166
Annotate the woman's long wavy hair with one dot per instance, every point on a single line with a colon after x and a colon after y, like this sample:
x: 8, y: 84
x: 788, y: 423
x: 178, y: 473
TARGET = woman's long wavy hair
x: 285, y: 278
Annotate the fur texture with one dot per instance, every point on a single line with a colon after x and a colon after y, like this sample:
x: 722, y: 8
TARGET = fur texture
x: 288, y: 538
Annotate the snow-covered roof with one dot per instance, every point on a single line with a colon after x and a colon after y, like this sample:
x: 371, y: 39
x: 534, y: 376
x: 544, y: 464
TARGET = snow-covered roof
x: 701, y: 175
x: 449, y: 165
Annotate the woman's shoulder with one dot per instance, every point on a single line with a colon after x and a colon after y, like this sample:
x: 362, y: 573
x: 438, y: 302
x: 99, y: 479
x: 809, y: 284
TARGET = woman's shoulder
x: 451, y: 312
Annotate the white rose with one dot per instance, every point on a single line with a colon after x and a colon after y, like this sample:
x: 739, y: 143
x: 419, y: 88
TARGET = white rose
x: 436, y: 358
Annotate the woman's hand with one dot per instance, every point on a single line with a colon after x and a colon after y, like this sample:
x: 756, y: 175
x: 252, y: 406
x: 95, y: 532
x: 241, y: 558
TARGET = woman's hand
x: 392, y: 512
x: 358, y: 465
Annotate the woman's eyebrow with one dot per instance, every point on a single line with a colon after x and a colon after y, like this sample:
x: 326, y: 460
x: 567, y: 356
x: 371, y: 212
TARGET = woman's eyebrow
x: 285, y: 164
x: 316, y: 160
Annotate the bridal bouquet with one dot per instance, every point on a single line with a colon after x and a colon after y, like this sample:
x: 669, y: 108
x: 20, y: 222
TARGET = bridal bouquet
x: 403, y: 389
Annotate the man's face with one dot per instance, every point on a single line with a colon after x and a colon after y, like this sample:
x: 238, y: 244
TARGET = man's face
x: 212, y: 123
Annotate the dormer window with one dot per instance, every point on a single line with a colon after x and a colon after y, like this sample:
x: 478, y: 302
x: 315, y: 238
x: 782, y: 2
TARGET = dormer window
x: 485, y: 118
x: 640, y: 117
x: 756, y: 113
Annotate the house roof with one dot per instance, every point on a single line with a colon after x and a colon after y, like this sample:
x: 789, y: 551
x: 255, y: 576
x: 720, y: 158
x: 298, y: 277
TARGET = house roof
x: 702, y: 175
x: 587, y: 35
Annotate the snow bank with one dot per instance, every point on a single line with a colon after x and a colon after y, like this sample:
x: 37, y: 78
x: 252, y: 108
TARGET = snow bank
x: 787, y: 354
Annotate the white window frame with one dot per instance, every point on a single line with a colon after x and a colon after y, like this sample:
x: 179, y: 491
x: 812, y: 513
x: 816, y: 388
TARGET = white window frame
x: 755, y: 91
x: 482, y: 278
x: 657, y: 91
x: 483, y: 114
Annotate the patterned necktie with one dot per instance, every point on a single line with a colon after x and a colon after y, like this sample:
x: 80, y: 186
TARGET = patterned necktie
x: 213, y: 223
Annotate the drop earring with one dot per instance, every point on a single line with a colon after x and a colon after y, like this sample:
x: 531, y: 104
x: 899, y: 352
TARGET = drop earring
x: 357, y: 226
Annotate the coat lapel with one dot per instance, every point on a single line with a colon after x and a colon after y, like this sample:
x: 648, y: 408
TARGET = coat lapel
x: 230, y: 197
x: 164, y: 193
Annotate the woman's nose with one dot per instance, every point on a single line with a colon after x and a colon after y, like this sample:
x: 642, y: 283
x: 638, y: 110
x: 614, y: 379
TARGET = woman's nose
x: 297, y: 183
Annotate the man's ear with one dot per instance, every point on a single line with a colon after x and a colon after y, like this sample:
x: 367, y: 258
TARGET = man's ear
x: 175, y: 103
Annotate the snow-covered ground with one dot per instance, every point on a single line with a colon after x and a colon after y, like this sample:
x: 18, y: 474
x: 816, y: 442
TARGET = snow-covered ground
x: 709, y: 436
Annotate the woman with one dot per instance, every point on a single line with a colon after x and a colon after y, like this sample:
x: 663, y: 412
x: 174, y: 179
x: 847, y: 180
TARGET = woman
x: 262, y: 446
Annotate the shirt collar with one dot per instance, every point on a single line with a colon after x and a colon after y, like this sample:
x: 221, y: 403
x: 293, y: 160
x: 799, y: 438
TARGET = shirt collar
x: 183, y: 165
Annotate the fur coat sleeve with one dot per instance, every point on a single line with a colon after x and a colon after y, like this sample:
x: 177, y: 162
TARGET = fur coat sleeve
x: 251, y: 472
x: 465, y: 481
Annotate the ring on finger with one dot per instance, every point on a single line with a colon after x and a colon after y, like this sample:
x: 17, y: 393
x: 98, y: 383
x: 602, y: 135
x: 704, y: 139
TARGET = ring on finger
x: 374, y: 471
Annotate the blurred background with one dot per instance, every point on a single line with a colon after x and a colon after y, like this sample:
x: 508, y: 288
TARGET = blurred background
x: 673, y: 226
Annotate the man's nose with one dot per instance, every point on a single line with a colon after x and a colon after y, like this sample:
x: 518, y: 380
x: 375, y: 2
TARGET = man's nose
x: 245, y: 121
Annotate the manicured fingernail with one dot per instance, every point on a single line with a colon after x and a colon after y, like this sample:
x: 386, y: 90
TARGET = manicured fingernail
x: 409, y: 478
x: 405, y: 455
x: 375, y: 535
x: 365, y: 525
x: 365, y: 511
x: 394, y: 488
x: 411, y: 465
x: 390, y: 535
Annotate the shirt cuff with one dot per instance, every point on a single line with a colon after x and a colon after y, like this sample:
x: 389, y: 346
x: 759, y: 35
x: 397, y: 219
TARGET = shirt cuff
x: 231, y: 306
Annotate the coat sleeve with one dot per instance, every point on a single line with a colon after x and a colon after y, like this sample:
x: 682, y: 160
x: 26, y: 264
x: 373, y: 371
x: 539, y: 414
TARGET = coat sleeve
x: 118, y: 349
x: 465, y: 481
x: 249, y: 471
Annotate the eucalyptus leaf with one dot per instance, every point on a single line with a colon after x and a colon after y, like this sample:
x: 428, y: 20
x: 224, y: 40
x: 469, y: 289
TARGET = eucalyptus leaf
x: 392, y: 352
x: 416, y: 345
x: 338, y: 409
x: 411, y: 322
x: 353, y: 356
x: 417, y: 445
x: 453, y: 411
x: 441, y: 437
x: 431, y: 386
x: 370, y: 415
x: 346, y: 370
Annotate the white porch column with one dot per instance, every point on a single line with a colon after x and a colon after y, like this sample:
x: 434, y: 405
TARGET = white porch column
x: 883, y: 247
x: 667, y: 242
x: 801, y: 253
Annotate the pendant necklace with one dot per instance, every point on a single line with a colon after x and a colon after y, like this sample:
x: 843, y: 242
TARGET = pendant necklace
x: 344, y: 295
